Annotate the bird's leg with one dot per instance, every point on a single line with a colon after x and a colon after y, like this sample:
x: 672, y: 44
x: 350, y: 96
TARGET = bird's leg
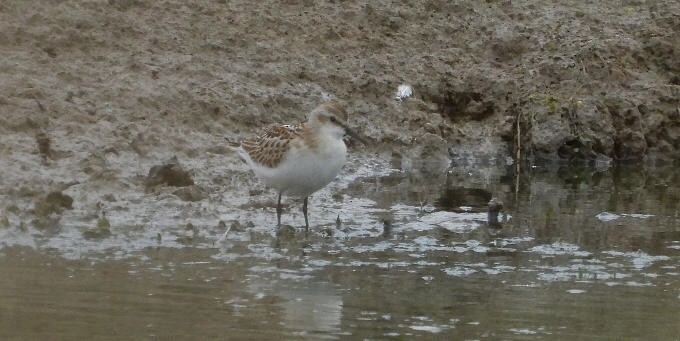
x: 278, y: 212
x: 304, y: 211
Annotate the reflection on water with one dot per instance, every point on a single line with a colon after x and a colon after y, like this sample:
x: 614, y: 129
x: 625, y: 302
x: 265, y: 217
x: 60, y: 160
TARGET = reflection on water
x: 309, y: 307
x: 579, y: 255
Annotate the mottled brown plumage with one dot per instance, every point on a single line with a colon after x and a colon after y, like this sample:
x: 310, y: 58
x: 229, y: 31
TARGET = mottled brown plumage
x: 268, y: 148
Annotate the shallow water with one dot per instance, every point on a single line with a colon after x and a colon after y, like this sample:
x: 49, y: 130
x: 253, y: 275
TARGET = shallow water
x: 579, y: 254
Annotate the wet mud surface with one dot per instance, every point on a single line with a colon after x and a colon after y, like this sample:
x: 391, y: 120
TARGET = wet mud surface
x: 575, y: 251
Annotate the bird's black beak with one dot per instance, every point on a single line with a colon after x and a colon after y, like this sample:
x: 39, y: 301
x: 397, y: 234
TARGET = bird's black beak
x: 353, y: 134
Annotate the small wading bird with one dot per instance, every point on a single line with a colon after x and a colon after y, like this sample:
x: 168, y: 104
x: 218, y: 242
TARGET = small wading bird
x: 300, y: 159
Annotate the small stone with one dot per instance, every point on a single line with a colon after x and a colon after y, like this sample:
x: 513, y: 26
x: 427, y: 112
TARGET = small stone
x: 43, y: 142
x: 237, y: 226
x: 495, y: 207
x: 54, y: 202
x: 171, y: 174
x: 102, y: 230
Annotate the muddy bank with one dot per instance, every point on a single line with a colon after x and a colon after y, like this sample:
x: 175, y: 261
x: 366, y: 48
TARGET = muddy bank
x: 95, y: 94
x: 579, y: 80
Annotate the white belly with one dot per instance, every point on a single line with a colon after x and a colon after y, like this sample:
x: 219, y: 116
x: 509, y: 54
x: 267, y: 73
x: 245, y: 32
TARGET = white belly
x: 303, y: 173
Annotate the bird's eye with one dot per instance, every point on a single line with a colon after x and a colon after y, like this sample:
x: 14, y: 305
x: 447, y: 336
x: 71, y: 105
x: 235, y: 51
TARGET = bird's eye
x: 333, y: 119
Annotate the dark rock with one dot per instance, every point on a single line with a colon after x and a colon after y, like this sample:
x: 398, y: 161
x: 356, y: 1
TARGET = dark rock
x: 237, y: 226
x: 43, y: 142
x: 495, y: 206
x: 54, y: 202
x: 170, y: 174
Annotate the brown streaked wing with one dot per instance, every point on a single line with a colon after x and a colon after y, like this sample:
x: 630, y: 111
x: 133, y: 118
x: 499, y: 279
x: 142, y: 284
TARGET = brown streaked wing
x: 268, y: 148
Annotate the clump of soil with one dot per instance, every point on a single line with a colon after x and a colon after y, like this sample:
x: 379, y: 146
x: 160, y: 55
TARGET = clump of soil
x: 49, y: 209
x: 53, y: 202
x: 43, y: 142
x: 170, y: 173
x: 102, y: 230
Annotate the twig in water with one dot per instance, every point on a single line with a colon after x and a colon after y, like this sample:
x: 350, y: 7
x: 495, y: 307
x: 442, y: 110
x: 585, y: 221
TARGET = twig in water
x: 224, y: 236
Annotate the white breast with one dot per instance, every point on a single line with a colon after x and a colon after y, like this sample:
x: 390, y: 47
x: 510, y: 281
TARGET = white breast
x: 303, y: 171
